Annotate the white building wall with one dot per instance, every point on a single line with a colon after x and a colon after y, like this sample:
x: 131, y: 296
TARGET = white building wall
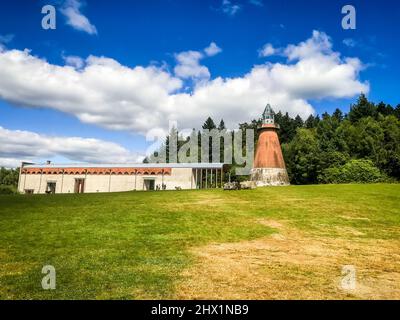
x: 180, y: 177
x: 121, y: 182
x: 57, y: 178
x: 29, y: 181
x: 140, y: 183
x: 68, y: 182
x: 65, y: 183
x: 97, y: 183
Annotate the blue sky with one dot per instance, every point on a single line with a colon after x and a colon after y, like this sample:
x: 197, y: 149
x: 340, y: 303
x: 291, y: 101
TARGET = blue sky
x: 154, y: 33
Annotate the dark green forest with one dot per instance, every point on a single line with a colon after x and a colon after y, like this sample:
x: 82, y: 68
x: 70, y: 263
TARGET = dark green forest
x: 8, y: 180
x: 360, y: 146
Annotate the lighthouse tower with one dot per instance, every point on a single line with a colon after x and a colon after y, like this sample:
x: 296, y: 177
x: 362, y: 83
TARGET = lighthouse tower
x: 269, y: 166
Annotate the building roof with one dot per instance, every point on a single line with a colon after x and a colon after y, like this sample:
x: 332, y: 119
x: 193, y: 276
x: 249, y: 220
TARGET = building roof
x: 268, y: 111
x: 129, y: 165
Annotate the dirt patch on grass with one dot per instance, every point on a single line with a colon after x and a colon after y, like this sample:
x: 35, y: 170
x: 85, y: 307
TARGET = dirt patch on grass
x: 206, y: 199
x: 349, y: 231
x: 271, y: 223
x: 355, y: 218
x: 293, y: 265
x: 216, y: 201
x: 208, y: 202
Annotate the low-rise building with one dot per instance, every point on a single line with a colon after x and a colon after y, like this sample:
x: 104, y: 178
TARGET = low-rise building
x: 90, y: 178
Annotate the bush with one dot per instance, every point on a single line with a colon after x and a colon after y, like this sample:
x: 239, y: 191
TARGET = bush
x: 7, y: 189
x: 361, y: 171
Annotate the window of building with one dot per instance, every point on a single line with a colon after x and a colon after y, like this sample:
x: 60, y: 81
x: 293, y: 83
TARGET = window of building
x: 149, y: 184
x: 51, y: 187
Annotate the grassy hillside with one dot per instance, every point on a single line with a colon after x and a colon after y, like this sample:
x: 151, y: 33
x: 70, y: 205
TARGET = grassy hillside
x: 282, y: 242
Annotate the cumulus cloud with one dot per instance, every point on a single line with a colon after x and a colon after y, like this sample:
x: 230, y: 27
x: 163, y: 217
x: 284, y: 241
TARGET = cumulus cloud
x: 71, y: 10
x: 189, y: 66
x: 230, y: 8
x: 318, y: 45
x: 74, y: 61
x: 188, y: 63
x: 18, y: 146
x: 138, y: 99
x: 267, y: 50
x: 212, y: 49
x: 6, y: 38
x: 349, y: 42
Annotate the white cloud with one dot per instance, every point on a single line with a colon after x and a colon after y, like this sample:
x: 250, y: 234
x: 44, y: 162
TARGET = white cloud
x: 10, y: 162
x: 189, y: 66
x: 318, y: 45
x: 230, y: 8
x: 6, y: 38
x: 349, y: 42
x: 188, y: 63
x: 74, y: 61
x: 138, y: 99
x: 267, y: 50
x: 212, y: 49
x: 18, y: 146
x: 71, y: 10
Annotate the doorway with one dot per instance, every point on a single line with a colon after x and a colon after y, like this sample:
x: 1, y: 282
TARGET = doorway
x: 51, y: 188
x: 79, y: 185
x: 149, y: 184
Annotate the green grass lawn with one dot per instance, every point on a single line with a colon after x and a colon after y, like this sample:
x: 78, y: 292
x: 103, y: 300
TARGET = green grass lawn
x: 137, y: 245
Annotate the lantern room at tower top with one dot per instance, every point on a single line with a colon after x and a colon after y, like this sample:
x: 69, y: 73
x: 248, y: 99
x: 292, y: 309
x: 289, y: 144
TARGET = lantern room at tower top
x: 268, y: 115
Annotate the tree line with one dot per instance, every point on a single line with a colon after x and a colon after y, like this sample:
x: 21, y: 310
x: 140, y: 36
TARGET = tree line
x: 360, y: 146
x: 8, y: 180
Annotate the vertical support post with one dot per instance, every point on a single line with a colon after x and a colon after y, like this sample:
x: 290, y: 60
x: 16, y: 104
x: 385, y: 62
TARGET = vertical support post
x: 206, y: 178
x: 222, y: 177
x: 135, y: 178
x: 40, y: 182
x: 201, y: 178
x: 24, y: 180
x: 211, y: 178
x: 62, y: 180
x: 109, y: 182
x: 215, y: 177
x: 84, y: 182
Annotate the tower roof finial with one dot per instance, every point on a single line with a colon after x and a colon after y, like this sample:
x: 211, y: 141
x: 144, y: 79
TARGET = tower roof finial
x: 268, y: 115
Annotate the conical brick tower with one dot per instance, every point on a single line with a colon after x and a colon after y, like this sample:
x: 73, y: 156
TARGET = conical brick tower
x: 269, y: 166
